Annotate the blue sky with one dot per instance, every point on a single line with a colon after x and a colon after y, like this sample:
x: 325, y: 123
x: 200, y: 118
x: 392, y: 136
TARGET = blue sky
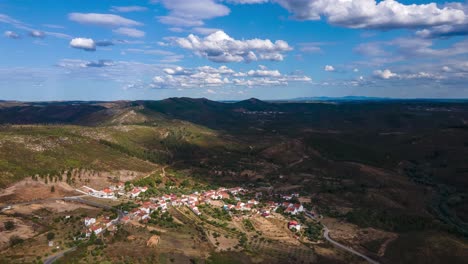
x: 232, y: 49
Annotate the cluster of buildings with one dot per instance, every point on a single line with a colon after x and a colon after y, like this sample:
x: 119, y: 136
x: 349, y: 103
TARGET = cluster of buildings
x: 241, y: 206
x: 292, y: 208
x: 289, y: 208
x: 112, y: 191
x: 192, y: 201
x: 98, y: 225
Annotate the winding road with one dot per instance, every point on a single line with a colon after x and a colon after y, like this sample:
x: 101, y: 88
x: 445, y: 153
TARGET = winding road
x: 53, y: 258
x: 326, y: 235
x: 341, y: 246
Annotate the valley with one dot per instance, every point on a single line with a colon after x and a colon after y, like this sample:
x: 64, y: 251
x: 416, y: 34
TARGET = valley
x: 387, y: 180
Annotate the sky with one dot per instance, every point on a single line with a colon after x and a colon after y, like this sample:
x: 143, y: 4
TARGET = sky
x: 232, y: 49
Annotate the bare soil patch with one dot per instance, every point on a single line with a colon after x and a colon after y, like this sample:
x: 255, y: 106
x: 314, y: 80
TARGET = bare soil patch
x: 29, y: 190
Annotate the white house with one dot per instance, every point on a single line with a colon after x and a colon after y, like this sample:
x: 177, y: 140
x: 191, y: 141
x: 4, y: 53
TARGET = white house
x: 135, y: 192
x: 89, y: 221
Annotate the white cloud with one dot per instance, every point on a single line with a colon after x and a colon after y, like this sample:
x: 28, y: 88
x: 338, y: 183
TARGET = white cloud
x: 205, y: 31
x: 37, y: 34
x: 385, y: 14
x: 126, y: 9
x: 329, y: 68
x: 206, y: 76
x: 385, y: 74
x: 220, y: 47
x: 108, y: 20
x: 264, y: 73
x: 83, y: 43
x: 176, y: 71
x: 129, y: 32
x: 11, y: 34
x: 220, y: 70
x: 191, y: 13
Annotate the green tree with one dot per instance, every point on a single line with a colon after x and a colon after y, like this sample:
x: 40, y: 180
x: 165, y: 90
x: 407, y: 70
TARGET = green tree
x: 50, y: 236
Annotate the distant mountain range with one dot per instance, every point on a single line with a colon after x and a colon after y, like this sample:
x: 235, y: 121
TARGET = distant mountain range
x: 366, y: 98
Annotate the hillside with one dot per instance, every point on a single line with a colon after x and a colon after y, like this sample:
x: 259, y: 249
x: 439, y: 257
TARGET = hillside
x: 397, y: 167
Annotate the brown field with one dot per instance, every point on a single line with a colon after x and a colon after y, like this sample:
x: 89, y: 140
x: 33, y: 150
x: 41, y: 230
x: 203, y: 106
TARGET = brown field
x: 29, y: 190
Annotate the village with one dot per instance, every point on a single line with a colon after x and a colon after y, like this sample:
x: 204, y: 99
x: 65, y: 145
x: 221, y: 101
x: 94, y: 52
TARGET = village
x: 235, y: 201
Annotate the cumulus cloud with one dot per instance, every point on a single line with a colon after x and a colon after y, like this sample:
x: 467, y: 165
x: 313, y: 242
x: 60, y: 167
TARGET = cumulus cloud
x: 108, y: 20
x: 329, y: 68
x: 191, y: 13
x: 264, y: 73
x: 370, y: 14
x: 220, y: 47
x: 177, y: 71
x: 384, y: 74
x: 86, y: 44
x: 207, y: 76
x: 127, y: 9
x: 11, y: 34
x: 129, y: 32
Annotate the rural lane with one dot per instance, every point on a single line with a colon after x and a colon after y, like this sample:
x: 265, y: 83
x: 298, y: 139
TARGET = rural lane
x: 326, y: 235
x: 53, y: 258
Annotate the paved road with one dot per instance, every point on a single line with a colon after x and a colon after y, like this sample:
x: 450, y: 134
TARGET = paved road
x: 326, y: 235
x: 53, y: 258
x: 350, y: 250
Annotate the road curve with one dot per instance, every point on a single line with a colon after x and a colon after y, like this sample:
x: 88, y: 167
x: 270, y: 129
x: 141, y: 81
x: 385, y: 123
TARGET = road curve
x: 53, y: 258
x: 326, y: 235
x: 341, y: 246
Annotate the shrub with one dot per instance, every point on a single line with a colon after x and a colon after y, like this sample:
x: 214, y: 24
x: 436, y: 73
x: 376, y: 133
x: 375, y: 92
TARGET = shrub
x: 9, y: 225
x: 15, y: 240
